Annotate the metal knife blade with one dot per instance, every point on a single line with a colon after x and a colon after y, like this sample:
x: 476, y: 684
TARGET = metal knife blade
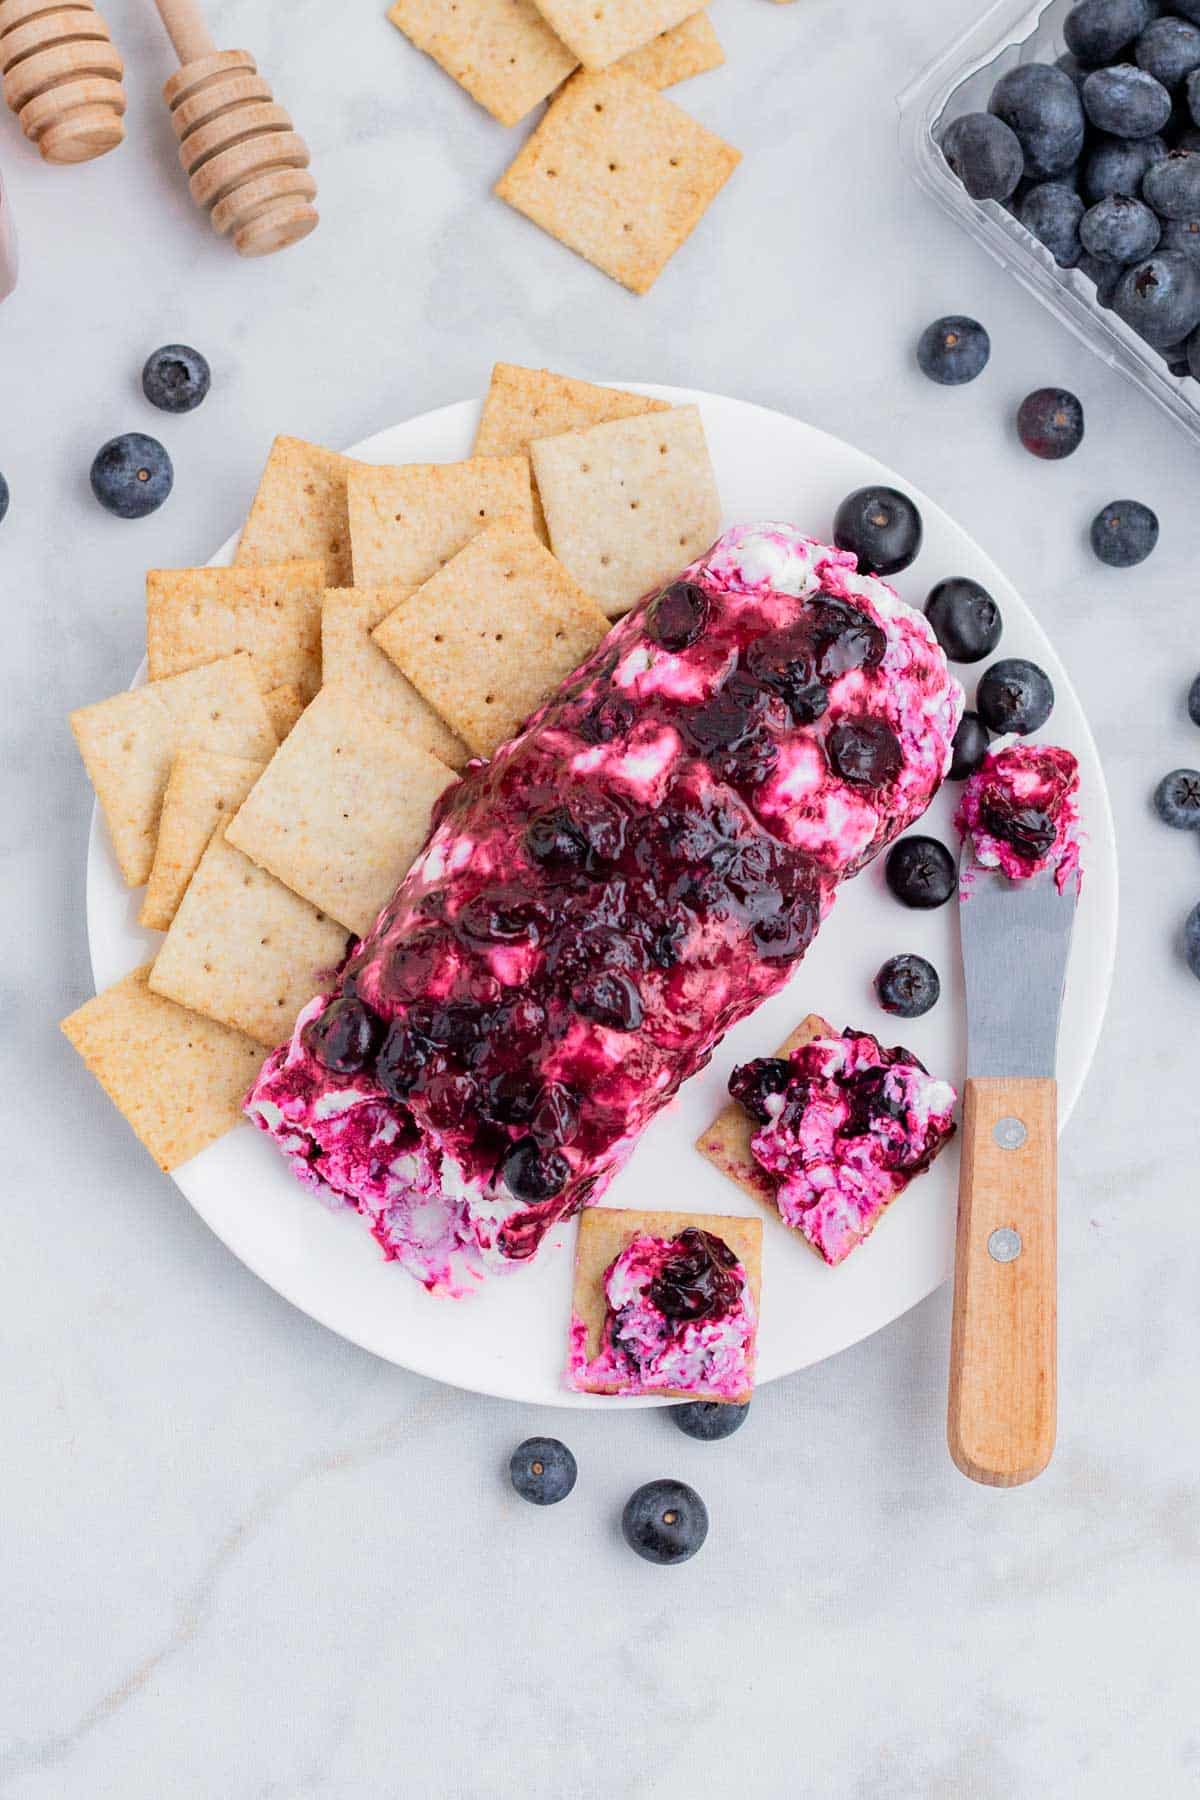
x: 1016, y: 939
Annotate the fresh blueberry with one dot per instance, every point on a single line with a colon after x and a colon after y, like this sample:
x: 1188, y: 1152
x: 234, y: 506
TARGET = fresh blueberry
x: 176, y: 378
x: 678, y: 616
x: 1119, y: 229
x: 4, y: 497
x: 1182, y: 235
x: 969, y: 748
x: 1116, y: 165
x: 1041, y: 106
x: 907, y: 986
x: 1126, y: 102
x: 955, y: 349
x: 132, y: 475
x: 1172, y: 186
x: 864, y: 752
x: 665, y: 1521
x: 1193, y: 701
x: 1160, y: 298
x: 1050, y: 423
x: 1124, y: 533
x: 1103, y: 275
x: 1177, y: 799
x: 881, y: 526
x: 346, y: 1037
x: 1052, y: 212
x: 1014, y: 695
x: 1191, y: 941
x: 543, y: 1471
x: 965, y: 619
x: 532, y: 1174
x: 920, y: 872
x: 1169, y: 49
x: 709, y: 1420
x: 1096, y: 31
x: 985, y: 154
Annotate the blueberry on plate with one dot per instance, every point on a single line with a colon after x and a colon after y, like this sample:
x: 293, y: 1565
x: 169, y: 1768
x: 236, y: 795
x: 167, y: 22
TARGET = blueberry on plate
x: 1124, y: 533
x: 920, y: 872
x: 1050, y: 423
x: 1117, y: 165
x: 955, y: 349
x: 543, y: 1471
x: 1052, y: 212
x: 1096, y: 31
x: 665, y: 1521
x: 1119, y: 229
x: 965, y: 619
x: 881, y: 526
x: 1177, y: 799
x: 132, y: 475
x: 176, y: 378
x: 1169, y: 49
x: 907, y: 986
x: 1041, y: 105
x: 985, y: 154
x: 709, y: 1420
x: 1014, y: 695
x: 969, y: 747
x: 1172, y: 186
x: 1126, y: 102
x: 1191, y: 941
x: 1193, y: 701
x: 1160, y: 298
x: 4, y: 498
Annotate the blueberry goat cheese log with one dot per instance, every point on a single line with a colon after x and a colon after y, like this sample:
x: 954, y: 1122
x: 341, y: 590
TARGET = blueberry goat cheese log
x: 596, y: 906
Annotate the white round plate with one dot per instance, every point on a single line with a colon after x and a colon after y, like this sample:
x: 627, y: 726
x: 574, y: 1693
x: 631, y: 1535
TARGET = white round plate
x: 510, y: 1339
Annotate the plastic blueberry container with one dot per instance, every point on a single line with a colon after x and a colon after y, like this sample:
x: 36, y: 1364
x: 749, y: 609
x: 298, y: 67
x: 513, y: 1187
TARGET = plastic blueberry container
x: 961, y: 81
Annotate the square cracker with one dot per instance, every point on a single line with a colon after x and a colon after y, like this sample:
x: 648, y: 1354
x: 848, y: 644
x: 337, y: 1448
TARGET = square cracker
x: 493, y: 633
x: 284, y: 705
x: 244, y: 949
x: 406, y: 522
x: 685, y: 50
x: 501, y: 51
x: 598, y: 35
x: 179, y: 1079
x: 619, y: 174
x: 628, y: 504
x: 273, y: 613
x: 299, y: 510
x: 726, y: 1143
x: 128, y: 744
x: 353, y: 662
x: 203, y: 790
x: 604, y: 1231
x: 523, y: 404
x: 342, y: 810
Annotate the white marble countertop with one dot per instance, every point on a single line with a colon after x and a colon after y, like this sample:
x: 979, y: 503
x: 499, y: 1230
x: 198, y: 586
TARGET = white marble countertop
x: 239, y: 1558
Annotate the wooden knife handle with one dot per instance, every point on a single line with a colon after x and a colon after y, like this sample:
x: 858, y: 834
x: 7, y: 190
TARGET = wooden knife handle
x: 1004, y: 1343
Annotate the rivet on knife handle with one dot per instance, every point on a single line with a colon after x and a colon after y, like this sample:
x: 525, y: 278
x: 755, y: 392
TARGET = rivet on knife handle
x: 1003, y: 1353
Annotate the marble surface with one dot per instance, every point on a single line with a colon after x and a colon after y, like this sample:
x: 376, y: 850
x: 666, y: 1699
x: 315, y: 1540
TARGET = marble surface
x: 238, y: 1557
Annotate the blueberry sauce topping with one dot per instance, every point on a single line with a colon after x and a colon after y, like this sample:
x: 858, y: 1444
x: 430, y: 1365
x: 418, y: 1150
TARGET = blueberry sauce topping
x: 697, y: 1280
x: 346, y: 1037
x: 611, y: 892
x: 753, y: 1082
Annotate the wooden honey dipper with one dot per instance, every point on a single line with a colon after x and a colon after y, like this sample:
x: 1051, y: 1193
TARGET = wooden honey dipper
x: 62, y: 77
x: 245, y: 164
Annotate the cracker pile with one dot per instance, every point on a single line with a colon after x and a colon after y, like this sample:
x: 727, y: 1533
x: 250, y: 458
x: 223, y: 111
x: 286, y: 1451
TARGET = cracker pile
x: 613, y: 170
x: 272, y: 782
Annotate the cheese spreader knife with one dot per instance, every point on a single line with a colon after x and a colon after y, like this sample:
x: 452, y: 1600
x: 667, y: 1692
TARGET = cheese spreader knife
x: 1016, y: 937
